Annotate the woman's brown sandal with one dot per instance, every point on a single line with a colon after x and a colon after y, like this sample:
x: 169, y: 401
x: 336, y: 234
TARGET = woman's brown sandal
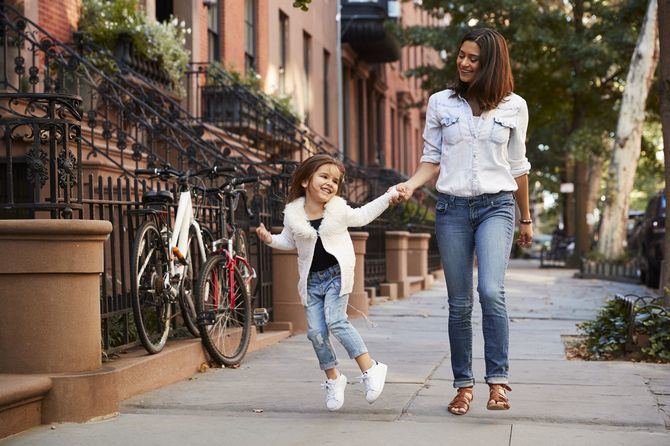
x: 461, y: 402
x: 498, y: 398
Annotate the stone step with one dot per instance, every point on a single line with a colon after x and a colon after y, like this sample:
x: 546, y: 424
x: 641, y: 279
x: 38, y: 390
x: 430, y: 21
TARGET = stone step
x: 81, y: 397
x: 21, y: 402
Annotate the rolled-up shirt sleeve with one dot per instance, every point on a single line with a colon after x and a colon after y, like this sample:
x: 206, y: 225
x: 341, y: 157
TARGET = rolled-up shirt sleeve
x: 516, y: 150
x: 432, y: 135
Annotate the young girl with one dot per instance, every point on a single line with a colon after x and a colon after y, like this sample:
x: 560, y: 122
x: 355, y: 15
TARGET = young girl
x: 315, y: 223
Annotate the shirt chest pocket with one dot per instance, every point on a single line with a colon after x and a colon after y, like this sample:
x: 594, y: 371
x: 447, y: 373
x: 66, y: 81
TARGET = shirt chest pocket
x: 451, y: 130
x: 501, y: 129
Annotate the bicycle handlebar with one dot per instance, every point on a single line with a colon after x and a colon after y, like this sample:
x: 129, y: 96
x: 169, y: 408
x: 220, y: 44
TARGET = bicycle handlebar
x: 243, y: 180
x: 217, y: 170
x: 169, y: 171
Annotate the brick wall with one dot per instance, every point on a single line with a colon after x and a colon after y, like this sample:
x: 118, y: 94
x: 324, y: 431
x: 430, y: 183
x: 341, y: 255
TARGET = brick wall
x: 59, y: 17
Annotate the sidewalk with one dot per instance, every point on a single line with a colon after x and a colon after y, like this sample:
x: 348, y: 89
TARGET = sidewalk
x: 554, y: 402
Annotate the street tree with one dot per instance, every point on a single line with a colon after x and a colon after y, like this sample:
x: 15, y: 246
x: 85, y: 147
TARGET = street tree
x: 628, y: 138
x: 664, y: 84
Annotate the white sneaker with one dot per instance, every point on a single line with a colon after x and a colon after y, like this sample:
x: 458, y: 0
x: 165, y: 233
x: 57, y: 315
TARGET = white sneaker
x: 335, y: 392
x: 374, y: 379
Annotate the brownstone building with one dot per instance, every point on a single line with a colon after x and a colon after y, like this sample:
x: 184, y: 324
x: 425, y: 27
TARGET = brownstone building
x: 261, y: 92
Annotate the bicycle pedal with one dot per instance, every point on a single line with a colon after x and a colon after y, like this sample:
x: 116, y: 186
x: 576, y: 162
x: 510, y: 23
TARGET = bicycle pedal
x: 261, y: 316
x: 180, y: 257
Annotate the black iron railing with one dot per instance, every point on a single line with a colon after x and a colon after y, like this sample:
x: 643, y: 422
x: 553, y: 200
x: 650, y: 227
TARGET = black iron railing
x: 41, y: 157
x: 119, y: 123
x: 220, y: 99
x: 644, y: 315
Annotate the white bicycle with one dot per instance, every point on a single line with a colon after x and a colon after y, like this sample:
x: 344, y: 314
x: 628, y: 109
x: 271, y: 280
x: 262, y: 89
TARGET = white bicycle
x: 166, y: 259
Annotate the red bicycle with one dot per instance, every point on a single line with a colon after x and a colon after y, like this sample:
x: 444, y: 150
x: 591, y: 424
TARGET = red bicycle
x: 223, y: 302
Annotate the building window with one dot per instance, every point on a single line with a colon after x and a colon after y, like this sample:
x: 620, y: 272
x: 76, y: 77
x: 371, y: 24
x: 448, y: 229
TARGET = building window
x: 307, y: 66
x: 394, y: 157
x: 346, y: 116
x: 283, y: 51
x: 213, y: 33
x: 250, y: 35
x: 164, y: 10
x: 21, y: 187
x: 326, y: 92
x: 360, y: 120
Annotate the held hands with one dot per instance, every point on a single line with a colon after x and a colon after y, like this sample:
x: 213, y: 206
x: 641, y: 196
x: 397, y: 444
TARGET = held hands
x: 525, y: 235
x: 400, y: 192
x: 264, y: 234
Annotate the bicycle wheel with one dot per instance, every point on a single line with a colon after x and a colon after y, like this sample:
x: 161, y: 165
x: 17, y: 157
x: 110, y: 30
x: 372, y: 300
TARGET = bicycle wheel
x: 224, y: 317
x: 152, y: 309
x: 194, y: 261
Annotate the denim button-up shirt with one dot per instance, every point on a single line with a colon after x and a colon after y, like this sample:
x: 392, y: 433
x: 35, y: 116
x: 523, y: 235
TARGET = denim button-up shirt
x: 476, y: 158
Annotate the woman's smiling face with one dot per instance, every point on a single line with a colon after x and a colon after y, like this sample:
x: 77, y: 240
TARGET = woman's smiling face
x: 467, y: 61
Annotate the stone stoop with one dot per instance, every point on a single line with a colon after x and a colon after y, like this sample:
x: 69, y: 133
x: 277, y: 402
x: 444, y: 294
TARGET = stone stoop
x: 29, y: 400
x: 21, y: 399
x: 416, y: 283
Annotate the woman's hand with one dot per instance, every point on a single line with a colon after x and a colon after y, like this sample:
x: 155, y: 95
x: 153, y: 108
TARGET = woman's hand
x: 525, y: 236
x: 405, y: 192
x: 263, y: 234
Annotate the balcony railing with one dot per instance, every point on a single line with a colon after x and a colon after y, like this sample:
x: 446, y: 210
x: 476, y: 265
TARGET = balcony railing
x: 363, y: 28
x: 219, y: 99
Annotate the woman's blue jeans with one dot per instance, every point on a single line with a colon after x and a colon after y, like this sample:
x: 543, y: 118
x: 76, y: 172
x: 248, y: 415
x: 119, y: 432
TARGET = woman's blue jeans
x: 484, y: 225
x: 326, y: 313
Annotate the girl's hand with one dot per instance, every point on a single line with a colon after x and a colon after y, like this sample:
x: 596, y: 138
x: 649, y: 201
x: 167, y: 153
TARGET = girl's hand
x: 405, y: 190
x: 525, y: 236
x: 264, y: 234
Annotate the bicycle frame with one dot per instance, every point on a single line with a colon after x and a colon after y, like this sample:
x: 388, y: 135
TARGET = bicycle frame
x: 231, y: 266
x: 184, y: 220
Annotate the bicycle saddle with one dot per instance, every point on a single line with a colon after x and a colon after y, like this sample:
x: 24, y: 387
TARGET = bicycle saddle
x: 157, y: 196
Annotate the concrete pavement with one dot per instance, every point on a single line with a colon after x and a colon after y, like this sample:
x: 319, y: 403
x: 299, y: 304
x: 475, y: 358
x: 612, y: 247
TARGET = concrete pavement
x: 274, y: 397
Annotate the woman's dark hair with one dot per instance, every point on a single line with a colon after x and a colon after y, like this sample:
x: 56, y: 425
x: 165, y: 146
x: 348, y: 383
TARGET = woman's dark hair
x: 305, y: 171
x: 494, y: 80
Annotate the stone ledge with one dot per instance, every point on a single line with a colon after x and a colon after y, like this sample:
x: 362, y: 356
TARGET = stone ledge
x: 21, y: 402
x: 79, y: 397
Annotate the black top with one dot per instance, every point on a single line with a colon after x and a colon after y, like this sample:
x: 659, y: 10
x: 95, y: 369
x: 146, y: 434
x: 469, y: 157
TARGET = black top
x: 322, y: 259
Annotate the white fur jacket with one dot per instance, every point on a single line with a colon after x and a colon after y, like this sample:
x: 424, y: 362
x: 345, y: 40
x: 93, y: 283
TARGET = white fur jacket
x: 299, y: 234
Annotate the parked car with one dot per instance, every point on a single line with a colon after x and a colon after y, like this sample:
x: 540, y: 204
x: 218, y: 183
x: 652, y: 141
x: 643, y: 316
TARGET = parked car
x: 647, y: 240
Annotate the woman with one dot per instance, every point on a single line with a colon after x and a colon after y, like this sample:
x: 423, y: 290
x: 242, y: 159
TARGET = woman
x: 475, y: 140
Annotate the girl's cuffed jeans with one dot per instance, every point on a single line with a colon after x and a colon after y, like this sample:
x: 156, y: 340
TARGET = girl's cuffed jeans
x: 484, y: 225
x: 326, y: 313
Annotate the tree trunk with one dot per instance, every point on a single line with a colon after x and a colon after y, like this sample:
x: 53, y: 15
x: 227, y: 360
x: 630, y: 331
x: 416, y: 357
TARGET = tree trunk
x: 582, y: 230
x: 595, y: 179
x: 628, y: 139
x: 664, y: 35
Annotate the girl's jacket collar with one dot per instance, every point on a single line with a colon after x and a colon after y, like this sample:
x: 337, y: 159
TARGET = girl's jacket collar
x: 297, y: 219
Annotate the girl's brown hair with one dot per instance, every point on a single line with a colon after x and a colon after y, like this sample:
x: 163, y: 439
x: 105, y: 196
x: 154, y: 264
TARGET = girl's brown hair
x: 494, y: 80
x: 305, y: 171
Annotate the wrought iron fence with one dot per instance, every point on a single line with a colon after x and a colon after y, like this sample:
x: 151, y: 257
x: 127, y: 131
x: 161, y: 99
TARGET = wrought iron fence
x: 217, y: 97
x: 111, y: 199
x: 609, y: 270
x: 42, y: 147
x: 120, y: 121
x: 644, y: 315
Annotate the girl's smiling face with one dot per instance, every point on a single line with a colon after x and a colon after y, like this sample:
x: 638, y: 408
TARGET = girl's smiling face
x: 323, y: 184
x: 467, y: 61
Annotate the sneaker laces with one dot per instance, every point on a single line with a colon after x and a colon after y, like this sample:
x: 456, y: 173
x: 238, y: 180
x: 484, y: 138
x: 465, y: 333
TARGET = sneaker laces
x: 329, y: 387
x: 363, y: 378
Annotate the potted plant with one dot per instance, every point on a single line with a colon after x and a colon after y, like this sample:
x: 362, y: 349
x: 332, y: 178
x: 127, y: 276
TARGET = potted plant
x: 123, y: 29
